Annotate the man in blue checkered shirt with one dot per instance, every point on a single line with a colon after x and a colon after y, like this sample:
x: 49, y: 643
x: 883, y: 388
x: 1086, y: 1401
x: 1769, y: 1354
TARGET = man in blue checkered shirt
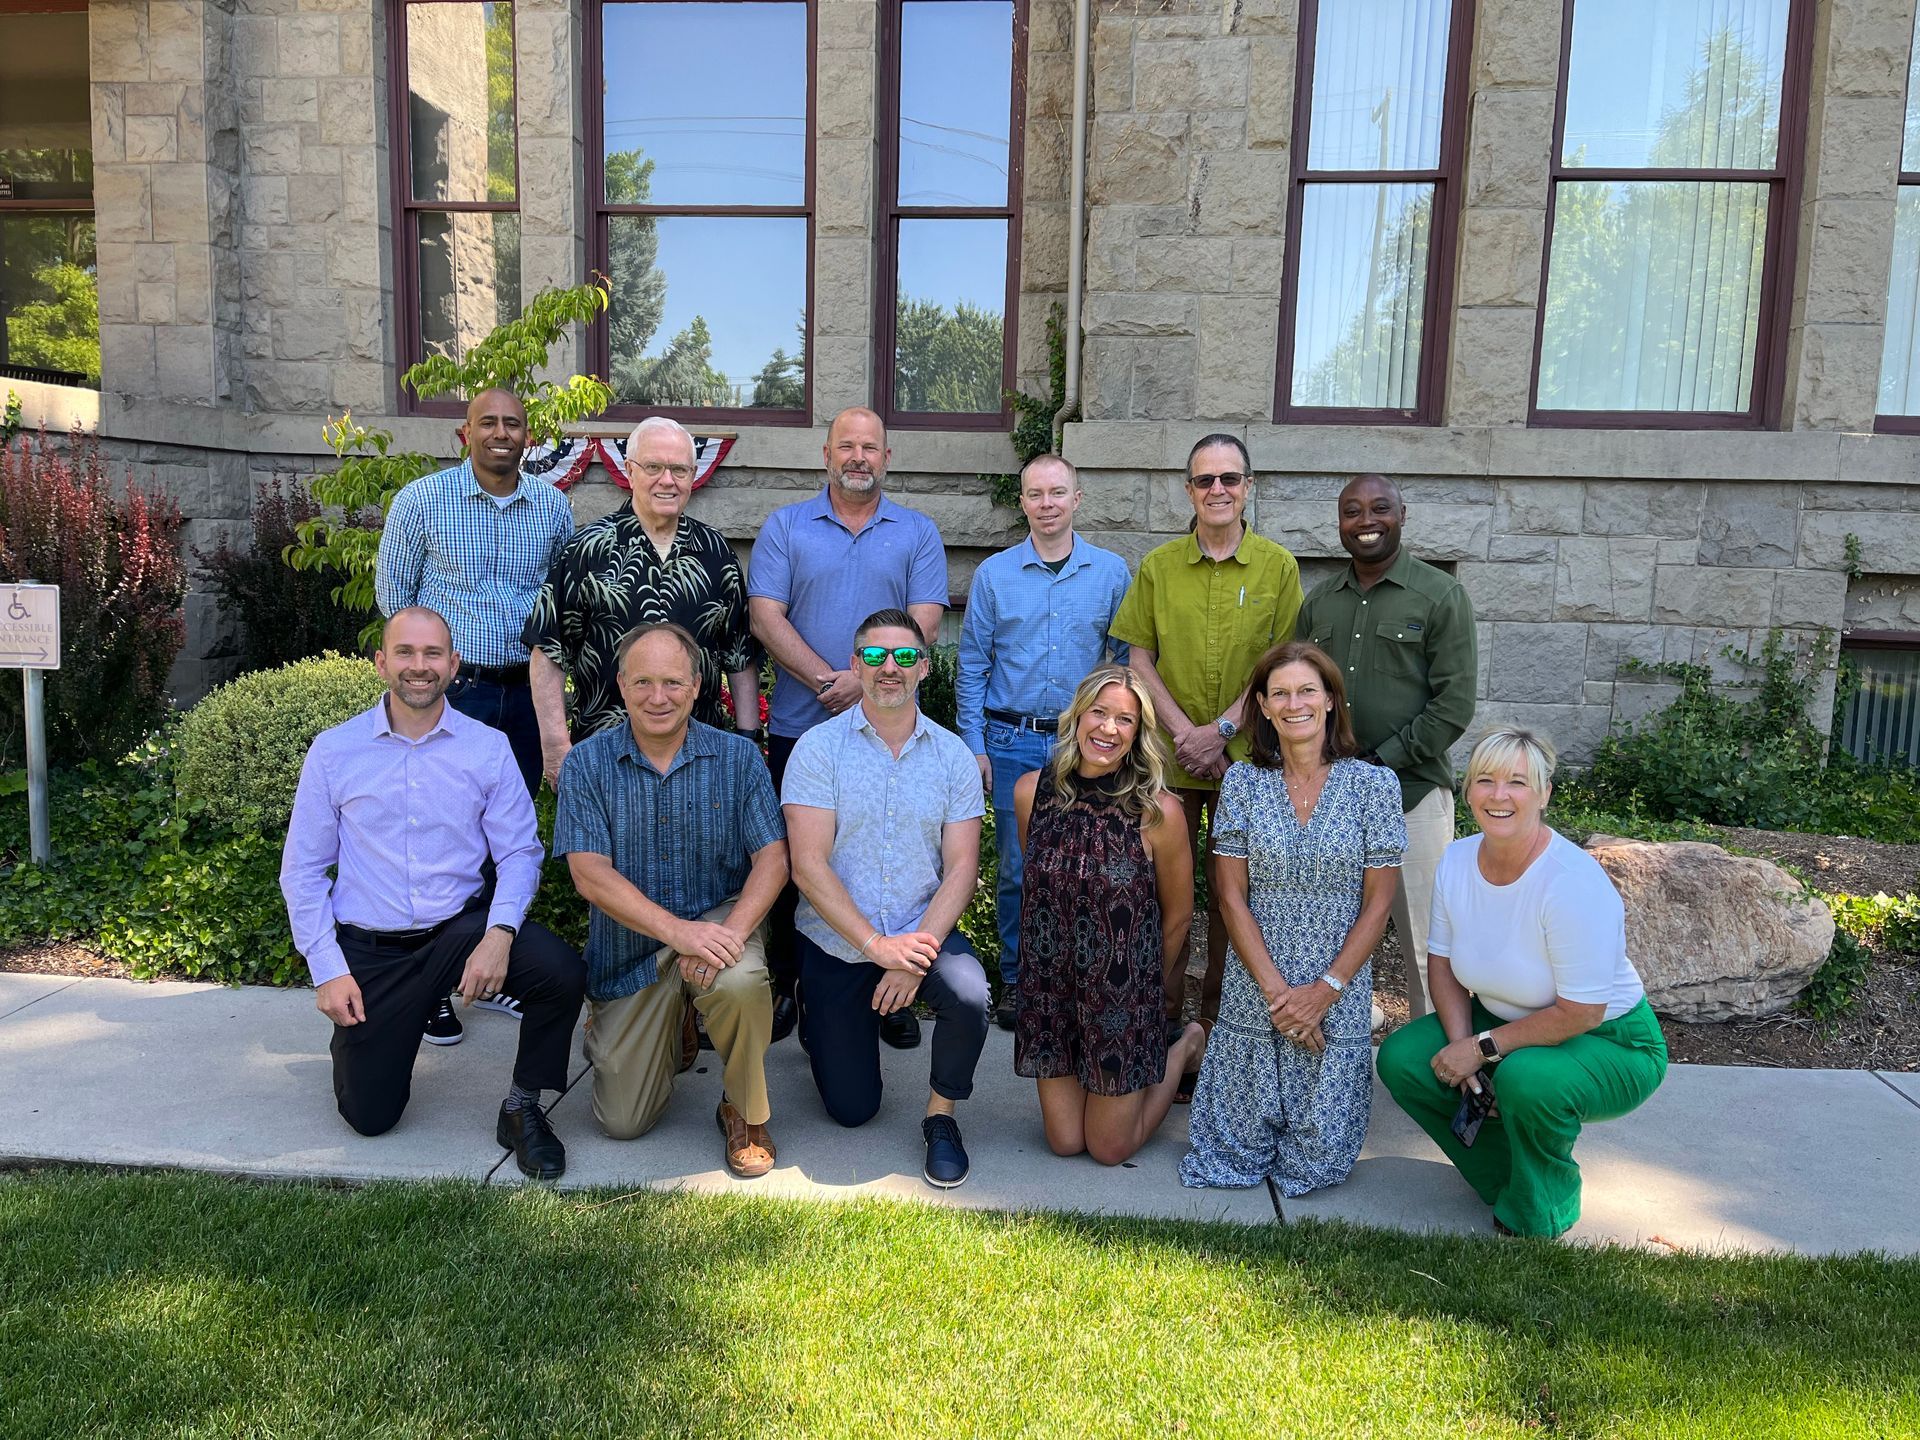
x: 474, y: 542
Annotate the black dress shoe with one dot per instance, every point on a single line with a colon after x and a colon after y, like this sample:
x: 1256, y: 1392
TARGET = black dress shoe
x: 901, y: 1029
x: 1004, y: 1013
x: 536, y: 1149
x: 786, y: 1014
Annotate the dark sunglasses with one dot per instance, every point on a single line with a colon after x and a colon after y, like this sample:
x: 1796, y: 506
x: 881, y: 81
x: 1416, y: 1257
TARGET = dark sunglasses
x: 1231, y: 479
x: 906, y: 657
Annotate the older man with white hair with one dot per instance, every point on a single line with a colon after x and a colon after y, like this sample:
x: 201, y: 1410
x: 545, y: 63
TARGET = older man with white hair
x: 648, y: 563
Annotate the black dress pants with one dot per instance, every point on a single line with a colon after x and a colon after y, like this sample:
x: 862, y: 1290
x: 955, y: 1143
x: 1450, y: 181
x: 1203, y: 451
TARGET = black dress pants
x: 783, y: 961
x: 400, y: 989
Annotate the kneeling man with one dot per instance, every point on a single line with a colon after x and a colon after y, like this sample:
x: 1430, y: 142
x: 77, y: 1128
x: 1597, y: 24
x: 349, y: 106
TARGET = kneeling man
x: 673, y: 835
x: 410, y: 802
x: 884, y: 809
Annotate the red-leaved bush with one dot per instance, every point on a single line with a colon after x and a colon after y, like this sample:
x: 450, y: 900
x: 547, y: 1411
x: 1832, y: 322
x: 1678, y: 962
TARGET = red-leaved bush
x: 115, y: 555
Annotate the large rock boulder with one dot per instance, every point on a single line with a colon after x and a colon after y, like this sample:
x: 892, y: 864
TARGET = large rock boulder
x: 1715, y: 936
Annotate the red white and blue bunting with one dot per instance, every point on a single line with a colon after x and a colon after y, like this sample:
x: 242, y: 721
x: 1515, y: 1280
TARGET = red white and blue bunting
x: 564, y: 463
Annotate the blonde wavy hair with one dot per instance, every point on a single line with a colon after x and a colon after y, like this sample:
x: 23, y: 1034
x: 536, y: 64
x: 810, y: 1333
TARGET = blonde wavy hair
x: 1144, y: 766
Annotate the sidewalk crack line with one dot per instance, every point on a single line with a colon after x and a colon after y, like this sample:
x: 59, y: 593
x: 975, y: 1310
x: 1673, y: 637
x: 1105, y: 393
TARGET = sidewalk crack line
x: 1884, y: 1081
x: 9, y: 1014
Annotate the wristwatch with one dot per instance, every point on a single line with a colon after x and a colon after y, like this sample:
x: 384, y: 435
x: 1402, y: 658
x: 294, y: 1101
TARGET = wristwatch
x: 1226, y: 728
x: 1333, y: 982
x: 512, y: 932
x: 1488, y: 1049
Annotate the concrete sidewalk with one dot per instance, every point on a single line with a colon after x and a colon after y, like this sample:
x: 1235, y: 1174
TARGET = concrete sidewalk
x: 205, y: 1077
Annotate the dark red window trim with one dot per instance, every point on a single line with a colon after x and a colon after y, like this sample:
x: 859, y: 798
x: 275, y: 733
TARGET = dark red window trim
x: 1430, y: 385
x: 594, y: 115
x: 1776, y: 292
x: 891, y: 212
x: 408, y: 333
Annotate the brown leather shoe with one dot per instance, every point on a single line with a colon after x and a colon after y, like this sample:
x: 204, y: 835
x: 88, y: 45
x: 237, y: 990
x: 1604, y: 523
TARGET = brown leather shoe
x: 750, y: 1152
x: 689, y: 1041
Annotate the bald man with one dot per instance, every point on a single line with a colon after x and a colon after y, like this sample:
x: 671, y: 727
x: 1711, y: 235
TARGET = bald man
x: 475, y: 542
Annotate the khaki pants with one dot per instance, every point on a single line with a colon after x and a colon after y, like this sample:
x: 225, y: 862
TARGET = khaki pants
x: 1429, y: 832
x: 634, y: 1043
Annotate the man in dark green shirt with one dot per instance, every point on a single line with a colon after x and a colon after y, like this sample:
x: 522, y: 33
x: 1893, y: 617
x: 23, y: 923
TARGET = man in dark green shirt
x: 1401, y: 632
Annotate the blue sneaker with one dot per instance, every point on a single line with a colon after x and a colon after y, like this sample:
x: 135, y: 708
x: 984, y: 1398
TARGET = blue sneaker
x: 947, y: 1163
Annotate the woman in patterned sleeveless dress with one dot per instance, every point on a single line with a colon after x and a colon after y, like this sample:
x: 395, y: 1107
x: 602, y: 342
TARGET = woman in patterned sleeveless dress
x: 1307, y: 842
x: 1107, y: 896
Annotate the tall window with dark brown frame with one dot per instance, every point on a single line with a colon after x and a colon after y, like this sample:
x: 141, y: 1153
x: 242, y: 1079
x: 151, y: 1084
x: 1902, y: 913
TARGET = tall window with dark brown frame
x: 700, y: 181
x: 1899, y: 404
x: 49, y: 297
x: 1379, y: 130
x: 953, y: 100
x: 456, y: 175
x: 1677, y: 157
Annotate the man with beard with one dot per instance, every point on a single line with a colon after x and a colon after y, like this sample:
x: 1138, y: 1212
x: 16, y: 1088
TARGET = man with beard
x: 1402, y: 634
x: 412, y: 802
x: 818, y: 566
x: 474, y: 542
x: 648, y: 563
x: 883, y: 819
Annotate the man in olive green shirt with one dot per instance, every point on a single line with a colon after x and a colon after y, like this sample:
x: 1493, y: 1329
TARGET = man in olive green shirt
x: 1401, y: 632
x: 1200, y: 613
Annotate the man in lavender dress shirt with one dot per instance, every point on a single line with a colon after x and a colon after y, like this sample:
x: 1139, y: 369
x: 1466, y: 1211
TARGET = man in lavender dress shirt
x: 410, y: 802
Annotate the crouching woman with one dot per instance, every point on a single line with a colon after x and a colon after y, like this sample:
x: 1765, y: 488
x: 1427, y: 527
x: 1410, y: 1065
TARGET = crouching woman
x: 1533, y: 996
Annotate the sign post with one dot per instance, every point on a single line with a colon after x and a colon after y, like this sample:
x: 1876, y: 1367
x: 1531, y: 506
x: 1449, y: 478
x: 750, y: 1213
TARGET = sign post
x: 30, y: 643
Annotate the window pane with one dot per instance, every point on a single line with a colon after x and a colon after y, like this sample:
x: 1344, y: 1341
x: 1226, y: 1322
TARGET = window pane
x: 1653, y: 296
x: 469, y: 278
x: 1910, y: 144
x: 1675, y: 83
x: 1883, y: 717
x: 1379, y: 81
x: 949, y: 355
x: 460, y: 94
x: 48, y: 297
x: 46, y: 145
x: 707, y: 310
x: 706, y: 104
x: 956, y: 97
x: 1900, y: 359
x: 1362, y: 295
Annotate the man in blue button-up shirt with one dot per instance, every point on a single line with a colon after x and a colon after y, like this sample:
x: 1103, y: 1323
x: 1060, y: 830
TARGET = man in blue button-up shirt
x: 673, y: 834
x: 408, y: 803
x: 1037, y: 621
x: 475, y: 542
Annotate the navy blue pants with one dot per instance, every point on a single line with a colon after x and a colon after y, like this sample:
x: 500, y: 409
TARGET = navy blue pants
x: 841, y: 1029
x: 508, y: 709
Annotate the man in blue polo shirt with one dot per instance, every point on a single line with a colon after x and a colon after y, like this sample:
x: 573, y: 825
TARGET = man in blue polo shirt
x: 1037, y: 621
x: 820, y: 566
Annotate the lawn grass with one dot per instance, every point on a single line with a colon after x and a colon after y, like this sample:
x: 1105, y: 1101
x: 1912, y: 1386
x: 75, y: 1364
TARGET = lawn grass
x: 185, y: 1305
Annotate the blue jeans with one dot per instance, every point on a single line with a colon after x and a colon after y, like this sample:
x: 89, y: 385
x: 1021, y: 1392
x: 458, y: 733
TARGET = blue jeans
x: 1012, y: 753
x: 508, y: 709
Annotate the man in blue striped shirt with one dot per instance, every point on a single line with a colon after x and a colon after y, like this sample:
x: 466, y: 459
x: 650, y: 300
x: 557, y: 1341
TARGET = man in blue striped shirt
x: 474, y: 542
x: 1037, y: 621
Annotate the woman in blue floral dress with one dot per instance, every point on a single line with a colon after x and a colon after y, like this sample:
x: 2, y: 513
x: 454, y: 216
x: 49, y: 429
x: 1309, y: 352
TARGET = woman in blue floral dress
x: 1308, y: 841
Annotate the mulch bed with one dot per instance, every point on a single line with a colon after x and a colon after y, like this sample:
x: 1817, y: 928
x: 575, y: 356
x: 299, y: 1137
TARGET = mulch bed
x: 61, y: 957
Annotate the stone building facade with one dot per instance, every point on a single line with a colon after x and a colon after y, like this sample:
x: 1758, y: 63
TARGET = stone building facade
x: 246, y: 258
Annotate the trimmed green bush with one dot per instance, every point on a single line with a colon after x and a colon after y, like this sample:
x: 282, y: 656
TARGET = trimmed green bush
x: 241, y: 748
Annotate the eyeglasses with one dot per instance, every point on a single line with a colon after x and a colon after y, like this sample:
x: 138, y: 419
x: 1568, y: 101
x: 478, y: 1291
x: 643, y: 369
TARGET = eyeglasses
x: 1228, y: 479
x: 653, y: 470
x: 906, y: 657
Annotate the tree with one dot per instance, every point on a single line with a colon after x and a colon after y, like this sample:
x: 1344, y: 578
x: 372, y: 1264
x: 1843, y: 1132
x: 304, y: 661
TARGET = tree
x: 362, y: 489
x: 682, y: 374
x: 781, y: 383
x: 947, y: 361
x: 638, y: 290
x: 61, y: 332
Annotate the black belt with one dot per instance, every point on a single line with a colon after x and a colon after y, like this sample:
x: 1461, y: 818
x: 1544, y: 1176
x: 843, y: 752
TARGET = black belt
x: 403, y: 939
x: 496, y: 674
x: 1024, y: 722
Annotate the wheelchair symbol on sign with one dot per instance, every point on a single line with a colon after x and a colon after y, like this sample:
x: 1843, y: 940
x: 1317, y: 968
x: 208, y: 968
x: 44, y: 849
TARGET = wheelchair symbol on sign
x: 15, y: 610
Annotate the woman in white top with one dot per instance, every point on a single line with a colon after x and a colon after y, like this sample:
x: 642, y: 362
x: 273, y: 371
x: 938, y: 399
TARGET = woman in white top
x: 1532, y: 990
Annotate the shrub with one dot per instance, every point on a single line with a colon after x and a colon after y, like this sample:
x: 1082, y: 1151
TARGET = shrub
x: 241, y: 748
x: 284, y: 614
x: 1836, y: 985
x: 112, y: 553
x: 937, y: 698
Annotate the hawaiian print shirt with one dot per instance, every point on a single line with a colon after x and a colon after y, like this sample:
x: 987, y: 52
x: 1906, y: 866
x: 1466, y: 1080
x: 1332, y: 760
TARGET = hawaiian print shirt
x: 610, y: 579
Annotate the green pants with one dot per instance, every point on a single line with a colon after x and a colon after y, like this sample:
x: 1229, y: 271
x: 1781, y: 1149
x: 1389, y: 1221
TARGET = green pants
x: 1521, y: 1163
